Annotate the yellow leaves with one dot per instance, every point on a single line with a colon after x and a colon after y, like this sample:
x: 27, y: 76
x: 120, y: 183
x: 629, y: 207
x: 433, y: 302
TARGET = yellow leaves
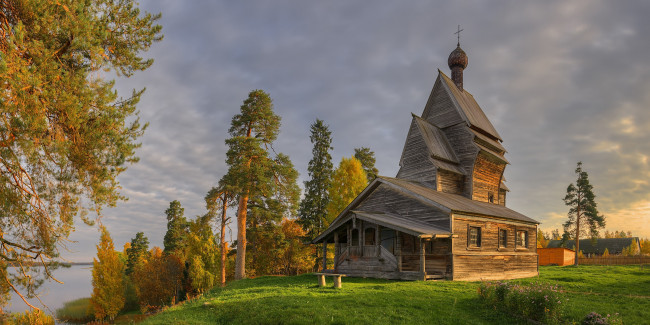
x: 348, y: 180
x: 64, y: 6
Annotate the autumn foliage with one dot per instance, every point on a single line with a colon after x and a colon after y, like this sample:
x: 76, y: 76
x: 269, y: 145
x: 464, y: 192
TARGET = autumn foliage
x: 158, y: 280
x: 108, y: 279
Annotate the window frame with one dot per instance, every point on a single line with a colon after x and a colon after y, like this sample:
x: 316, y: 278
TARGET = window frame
x: 517, y: 237
x: 503, y: 242
x: 470, y: 243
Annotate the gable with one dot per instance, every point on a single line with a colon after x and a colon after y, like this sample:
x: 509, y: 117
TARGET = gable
x: 468, y: 108
x: 440, y: 109
x: 415, y: 163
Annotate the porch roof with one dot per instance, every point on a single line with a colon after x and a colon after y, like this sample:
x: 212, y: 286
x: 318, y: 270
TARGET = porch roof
x: 403, y: 224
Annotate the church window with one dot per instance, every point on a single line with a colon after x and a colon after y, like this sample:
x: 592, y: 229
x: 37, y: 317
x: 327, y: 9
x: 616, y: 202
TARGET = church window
x: 503, y: 238
x: 490, y: 197
x: 474, y: 237
x: 522, y: 238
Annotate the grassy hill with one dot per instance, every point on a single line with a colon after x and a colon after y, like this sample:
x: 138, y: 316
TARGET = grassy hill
x: 298, y: 300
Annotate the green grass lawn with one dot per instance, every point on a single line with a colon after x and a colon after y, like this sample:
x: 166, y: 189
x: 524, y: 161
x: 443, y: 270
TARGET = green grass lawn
x: 298, y: 300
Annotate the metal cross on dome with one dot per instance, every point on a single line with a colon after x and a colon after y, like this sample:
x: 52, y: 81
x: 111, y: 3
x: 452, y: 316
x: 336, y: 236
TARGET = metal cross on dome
x: 458, y: 33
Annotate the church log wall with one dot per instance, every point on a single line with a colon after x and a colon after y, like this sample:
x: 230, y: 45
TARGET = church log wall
x: 449, y: 182
x: 492, y: 260
x: 487, y: 178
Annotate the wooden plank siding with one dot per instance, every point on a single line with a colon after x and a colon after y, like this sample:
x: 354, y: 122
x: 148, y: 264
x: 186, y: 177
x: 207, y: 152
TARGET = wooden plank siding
x: 384, y: 199
x: 490, y: 261
x: 462, y: 140
x: 439, y: 109
x: 556, y: 256
x: 415, y: 163
x: 449, y: 182
x: 487, y: 178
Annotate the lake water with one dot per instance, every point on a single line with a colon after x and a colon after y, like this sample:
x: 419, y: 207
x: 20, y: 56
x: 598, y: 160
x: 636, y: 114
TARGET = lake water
x: 77, y: 283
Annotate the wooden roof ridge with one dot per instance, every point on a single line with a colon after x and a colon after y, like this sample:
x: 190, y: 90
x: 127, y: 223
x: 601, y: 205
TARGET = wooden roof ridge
x: 436, y: 141
x: 455, y: 203
x: 468, y: 108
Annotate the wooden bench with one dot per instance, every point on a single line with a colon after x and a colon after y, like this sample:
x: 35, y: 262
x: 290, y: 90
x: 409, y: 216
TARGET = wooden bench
x: 337, y: 279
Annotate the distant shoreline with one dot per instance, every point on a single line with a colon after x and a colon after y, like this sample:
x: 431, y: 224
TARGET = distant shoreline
x: 64, y: 264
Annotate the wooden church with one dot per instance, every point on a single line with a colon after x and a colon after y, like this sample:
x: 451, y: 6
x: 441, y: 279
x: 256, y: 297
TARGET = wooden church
x: 444, y: 215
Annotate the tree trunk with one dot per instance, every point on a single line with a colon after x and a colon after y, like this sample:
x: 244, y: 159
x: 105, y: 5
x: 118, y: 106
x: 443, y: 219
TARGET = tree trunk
x: 577, y: 232
x: 240, y: 265
x: 224, y: 248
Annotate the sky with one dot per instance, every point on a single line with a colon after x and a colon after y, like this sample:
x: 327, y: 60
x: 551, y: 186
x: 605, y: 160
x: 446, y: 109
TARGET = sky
x: 561, y: 81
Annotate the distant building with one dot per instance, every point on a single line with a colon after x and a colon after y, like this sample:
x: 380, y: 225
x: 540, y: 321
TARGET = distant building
x: 556, y: 256
x: 614, y: 246
x: 444, y: 215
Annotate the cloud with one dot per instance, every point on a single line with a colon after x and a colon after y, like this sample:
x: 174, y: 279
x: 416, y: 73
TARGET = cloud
x: 562, y: 81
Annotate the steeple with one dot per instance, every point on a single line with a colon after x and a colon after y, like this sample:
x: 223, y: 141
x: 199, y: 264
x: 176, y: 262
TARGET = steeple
x: 457, y: 63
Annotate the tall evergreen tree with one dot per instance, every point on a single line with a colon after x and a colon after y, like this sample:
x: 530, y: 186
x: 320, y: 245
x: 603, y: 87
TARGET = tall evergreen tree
x: 108, y: 279
x: 348, y: 181
x: 177, y: 228
x: 137, y: 251
x: 584, y: 218
x: 65, y: 135
x: 313, y: 208
x: 252, y: 171
x: 367, y: 159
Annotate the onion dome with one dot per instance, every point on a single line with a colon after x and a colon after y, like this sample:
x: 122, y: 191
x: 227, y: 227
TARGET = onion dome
x: 457, y: 58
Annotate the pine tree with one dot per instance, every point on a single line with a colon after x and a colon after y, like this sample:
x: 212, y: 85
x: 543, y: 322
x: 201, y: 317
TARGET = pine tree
x: 348, y: 181
x: 108, y: 281
x: 177, y: 226
x: 583, y: 211
x: 65, y: 134
x: 313, y: 208
x: 137, y: 252
x: 367, y: 159
x: 252, y: 171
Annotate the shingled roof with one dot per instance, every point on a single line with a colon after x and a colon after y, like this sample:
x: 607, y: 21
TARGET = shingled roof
x: 447, y: 202
x: 587, y: 246
x: 469, y: 108
x: 456, y: 203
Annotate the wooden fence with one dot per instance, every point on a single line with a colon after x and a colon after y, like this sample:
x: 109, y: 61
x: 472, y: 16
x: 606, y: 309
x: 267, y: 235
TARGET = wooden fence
x: 614, y: 260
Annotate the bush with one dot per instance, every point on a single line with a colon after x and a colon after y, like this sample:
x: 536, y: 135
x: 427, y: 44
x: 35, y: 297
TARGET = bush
x: 76, y: 311
x: 594, y: 318
x: 541, y: 302
x: 34, y: 317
